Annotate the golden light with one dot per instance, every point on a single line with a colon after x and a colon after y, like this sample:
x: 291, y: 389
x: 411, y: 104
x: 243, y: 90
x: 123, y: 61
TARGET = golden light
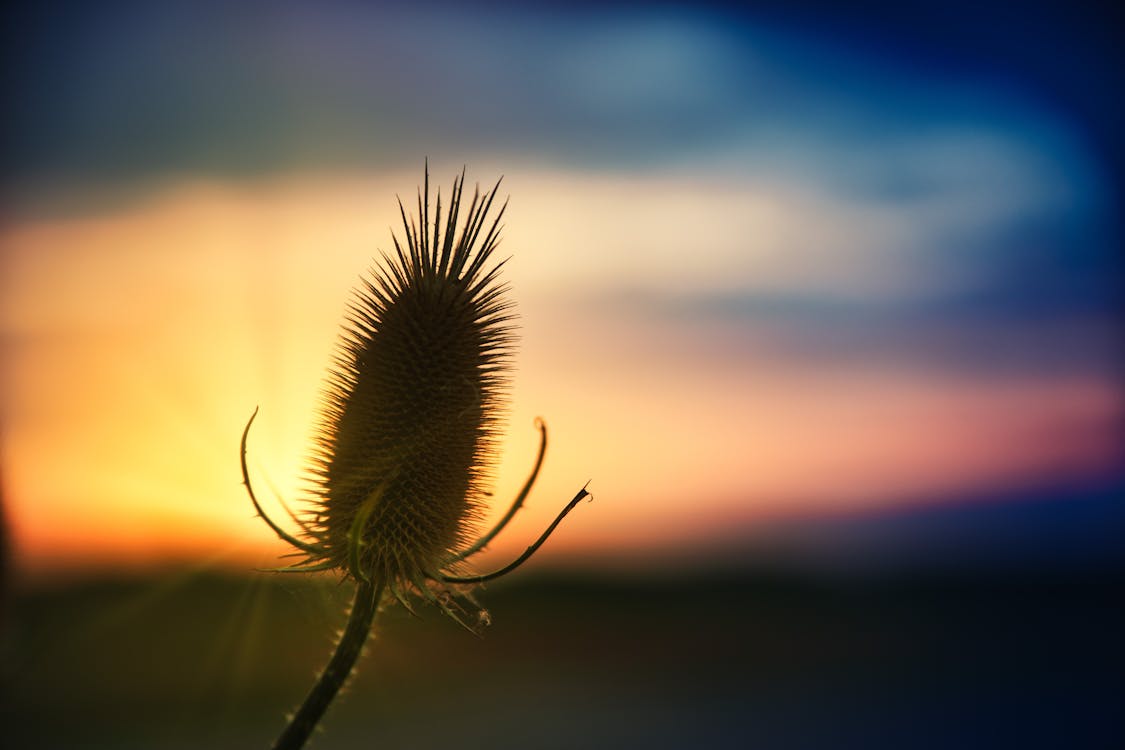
x: 139, y: 340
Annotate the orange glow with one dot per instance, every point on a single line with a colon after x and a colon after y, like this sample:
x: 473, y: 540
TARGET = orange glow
x: 139, y: 341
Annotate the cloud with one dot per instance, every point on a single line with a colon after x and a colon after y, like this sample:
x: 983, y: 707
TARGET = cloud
x: 228, y: 89
x: 761, y: 173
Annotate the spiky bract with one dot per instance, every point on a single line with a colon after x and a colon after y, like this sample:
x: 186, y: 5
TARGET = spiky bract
x: 406, y: 439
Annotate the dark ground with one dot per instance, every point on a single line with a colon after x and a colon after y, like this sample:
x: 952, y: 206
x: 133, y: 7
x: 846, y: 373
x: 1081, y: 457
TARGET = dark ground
x: 762, y: 660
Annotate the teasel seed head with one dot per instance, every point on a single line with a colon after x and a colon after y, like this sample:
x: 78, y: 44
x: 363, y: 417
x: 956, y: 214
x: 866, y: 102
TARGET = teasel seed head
x: 407, y: 437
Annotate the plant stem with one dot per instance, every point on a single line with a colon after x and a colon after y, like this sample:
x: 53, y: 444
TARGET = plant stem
x: 339, y: 667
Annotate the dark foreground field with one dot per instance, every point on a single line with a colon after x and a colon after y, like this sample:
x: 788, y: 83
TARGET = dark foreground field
x: 747, y: 660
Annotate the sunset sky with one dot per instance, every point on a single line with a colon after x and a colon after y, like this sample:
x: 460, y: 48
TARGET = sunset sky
x: 769, y: 266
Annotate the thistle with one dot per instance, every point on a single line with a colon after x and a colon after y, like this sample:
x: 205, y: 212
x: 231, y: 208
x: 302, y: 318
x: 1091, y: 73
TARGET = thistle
x: 407, y: 435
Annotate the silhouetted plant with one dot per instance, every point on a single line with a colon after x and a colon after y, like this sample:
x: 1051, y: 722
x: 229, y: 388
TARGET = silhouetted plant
x: 408, y: 432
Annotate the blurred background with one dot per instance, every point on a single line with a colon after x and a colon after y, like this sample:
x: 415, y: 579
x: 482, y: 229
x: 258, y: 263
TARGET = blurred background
x: 826, y: 302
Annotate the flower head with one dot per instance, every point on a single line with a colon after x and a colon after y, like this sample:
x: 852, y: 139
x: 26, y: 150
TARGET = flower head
x: 407, y: 435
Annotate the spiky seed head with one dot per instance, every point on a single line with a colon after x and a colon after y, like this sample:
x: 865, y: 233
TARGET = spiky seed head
x: 410, y: 412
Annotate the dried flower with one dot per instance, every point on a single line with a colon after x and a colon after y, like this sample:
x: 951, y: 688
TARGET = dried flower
x: 407, y: 438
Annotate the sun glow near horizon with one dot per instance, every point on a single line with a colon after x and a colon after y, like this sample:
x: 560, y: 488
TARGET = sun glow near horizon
x: 138, y: 341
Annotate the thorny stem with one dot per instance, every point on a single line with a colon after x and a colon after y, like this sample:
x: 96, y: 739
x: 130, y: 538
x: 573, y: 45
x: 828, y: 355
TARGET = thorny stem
x: 340, y: 666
